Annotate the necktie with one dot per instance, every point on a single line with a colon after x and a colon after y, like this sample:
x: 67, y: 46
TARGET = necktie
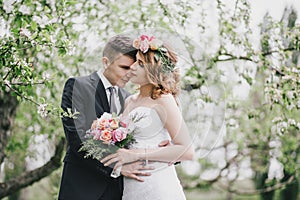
x: 112, y: 100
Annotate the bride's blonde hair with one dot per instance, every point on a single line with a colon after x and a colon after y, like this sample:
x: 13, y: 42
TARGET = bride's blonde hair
x: 163, y: 77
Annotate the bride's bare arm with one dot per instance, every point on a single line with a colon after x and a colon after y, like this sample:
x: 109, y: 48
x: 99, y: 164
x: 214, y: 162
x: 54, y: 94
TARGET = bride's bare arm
x: 182, y: 148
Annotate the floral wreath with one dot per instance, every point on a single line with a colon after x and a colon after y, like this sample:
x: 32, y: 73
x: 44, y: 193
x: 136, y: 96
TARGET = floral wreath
x: 144, y: 43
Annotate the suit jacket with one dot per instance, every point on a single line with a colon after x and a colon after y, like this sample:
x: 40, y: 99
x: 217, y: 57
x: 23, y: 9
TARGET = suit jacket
x: 86, y: 178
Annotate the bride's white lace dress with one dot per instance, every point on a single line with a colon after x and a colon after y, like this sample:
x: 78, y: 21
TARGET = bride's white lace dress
x: 163, y: 184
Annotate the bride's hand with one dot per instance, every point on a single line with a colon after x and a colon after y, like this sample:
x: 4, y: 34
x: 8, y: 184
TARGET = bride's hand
x: 121, y: 157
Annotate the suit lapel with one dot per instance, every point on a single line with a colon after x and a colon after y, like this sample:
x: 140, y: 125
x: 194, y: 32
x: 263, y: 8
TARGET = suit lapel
x: 101, y: 102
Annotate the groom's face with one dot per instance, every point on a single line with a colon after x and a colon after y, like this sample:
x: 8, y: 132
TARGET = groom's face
x: 118, y: 71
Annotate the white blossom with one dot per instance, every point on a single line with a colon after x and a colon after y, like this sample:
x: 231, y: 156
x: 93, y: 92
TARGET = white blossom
x: 46, y: 76
x: 42, y: 110
x: 105, y: 116
x: 291, y: 122
x: 298, y: 125
x: 24, y: 9
x: 8, y: 5
x: 291, y: 106
x: 281, y: 127
x: 275, y: 169
x: 6, y: 82
x: 275, y: 79
x: 290, y: 94
x: 204, y: 90
x: 25, y: 32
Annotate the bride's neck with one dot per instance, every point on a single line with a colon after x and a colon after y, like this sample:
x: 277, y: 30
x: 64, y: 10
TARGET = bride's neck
x: 145, y: 90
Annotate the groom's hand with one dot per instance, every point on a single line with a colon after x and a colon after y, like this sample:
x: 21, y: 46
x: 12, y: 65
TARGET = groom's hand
x: 135, y: 170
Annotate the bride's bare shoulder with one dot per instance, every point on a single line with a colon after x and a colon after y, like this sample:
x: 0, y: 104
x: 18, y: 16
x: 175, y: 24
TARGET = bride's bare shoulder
x: 166, y: 100
x: 130, y: 99
x: 165, y: 105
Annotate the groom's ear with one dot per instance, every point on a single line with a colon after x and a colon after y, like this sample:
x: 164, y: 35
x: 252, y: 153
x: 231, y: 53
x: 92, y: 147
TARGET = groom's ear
x: 105, y: 62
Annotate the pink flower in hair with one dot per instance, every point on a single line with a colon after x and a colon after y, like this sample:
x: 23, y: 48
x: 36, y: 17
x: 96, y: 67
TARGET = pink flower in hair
x: 146, y: 37
x: 144, y: 42
x: 144, y: 46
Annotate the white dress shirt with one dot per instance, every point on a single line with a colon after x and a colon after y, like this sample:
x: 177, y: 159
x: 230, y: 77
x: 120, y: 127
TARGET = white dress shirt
x: 106, y: 85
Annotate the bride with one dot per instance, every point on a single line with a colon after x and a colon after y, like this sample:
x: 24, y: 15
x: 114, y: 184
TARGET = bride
x: 156, y: 73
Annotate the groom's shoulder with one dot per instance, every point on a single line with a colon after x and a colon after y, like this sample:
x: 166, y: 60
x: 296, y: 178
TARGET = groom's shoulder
x: 79, y: 79
x: 79, y: 83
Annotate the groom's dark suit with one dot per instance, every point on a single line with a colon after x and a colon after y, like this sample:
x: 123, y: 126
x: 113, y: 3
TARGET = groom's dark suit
x: 86, y: 179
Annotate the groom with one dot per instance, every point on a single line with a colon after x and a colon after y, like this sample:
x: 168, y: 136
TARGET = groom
x: 88, y: 179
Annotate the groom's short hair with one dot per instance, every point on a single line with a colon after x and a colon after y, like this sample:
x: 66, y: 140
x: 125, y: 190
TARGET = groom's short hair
x: 119, y: 44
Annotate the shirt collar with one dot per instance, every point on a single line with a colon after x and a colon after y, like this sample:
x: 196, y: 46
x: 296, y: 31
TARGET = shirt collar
x: 105, y: 82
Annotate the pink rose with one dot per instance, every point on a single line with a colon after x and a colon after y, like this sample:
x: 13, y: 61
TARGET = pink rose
x: 104, y: 124
x: 136, y: 43
x: 94, y: 124
x: 97, y: 134
x: 151, y: 38
x: 119, y: 134
x: 146, y: 37
x: 144, y: 46
x: 114, y: 124
x: 143, y: 43
x: 106, y: 136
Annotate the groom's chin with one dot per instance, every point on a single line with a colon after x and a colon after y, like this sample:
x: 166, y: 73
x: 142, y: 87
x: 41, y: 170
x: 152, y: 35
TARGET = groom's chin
x: 122, y: 83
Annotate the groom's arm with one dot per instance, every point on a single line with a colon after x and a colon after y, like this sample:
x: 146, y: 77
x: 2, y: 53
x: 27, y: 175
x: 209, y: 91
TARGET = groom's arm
x: 75, y: 128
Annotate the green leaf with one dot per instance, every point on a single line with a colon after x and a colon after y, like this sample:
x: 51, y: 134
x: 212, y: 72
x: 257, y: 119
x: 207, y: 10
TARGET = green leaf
x: 62, y: 51
x: 70, y: 3
x: 33, y: 25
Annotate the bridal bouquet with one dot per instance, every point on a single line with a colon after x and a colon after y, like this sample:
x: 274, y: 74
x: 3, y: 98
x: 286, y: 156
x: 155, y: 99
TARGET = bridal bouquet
x: 109, y: 133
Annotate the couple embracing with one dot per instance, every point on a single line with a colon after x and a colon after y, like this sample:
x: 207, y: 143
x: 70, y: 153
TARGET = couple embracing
x: 162, y: 137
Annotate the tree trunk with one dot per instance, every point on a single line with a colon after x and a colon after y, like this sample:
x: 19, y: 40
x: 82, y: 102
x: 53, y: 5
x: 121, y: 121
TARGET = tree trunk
x: 8, y: 107
x: 291, y: 191
x: 260, y: 183
x: 28, y: 178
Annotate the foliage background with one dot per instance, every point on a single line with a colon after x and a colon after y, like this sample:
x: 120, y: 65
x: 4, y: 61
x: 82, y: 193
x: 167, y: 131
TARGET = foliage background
x: 240, y: 97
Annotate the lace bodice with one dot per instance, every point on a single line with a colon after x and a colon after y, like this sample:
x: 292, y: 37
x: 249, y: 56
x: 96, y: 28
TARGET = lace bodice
x: 150, y: 129
x: 163, y: 184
